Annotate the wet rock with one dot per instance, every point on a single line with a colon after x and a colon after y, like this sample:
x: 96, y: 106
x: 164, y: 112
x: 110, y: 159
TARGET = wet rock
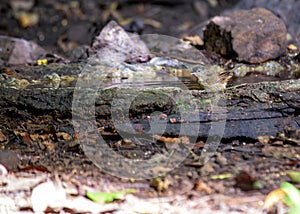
x: 253, y: 36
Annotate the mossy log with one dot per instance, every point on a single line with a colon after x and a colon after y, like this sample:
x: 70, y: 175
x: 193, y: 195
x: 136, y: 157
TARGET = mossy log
x: 250, y: 110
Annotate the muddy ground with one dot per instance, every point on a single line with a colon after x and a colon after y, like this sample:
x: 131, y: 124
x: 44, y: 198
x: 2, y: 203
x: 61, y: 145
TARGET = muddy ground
x: 235, y: 180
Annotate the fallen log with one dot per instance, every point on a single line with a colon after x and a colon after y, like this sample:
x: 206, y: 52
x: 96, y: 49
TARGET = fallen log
x: 248, y: 110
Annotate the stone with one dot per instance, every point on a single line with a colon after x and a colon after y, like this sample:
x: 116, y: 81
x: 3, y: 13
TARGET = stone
x: 253, y: 36
x: 114, y: 44
x: 15, y: 51
x: 9, y: 159
x: 287, y: 10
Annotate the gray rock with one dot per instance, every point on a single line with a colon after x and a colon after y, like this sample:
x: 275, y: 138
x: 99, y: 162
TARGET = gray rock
x: 16, y: 51
x: 9, y: 159
x: 114, y: 44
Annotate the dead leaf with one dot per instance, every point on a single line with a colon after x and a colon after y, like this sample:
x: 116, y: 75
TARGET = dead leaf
x: 27, y: 19
x: 3, y: 138
x: 37, y: 168
x: 203, y: 187
x: 182, y: 139
x: 26, y: 138
x: 292, y: 47
x: 34, y: 137
x: 163, y: 116
x: 64, y: 135
x: 194, y: 40
x: 263, y: 139
x: 49, y: 144
x: 273, y: 198
x: 49, y: 194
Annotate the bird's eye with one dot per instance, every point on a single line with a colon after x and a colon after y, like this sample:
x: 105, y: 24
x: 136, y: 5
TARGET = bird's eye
x: 230, y: 65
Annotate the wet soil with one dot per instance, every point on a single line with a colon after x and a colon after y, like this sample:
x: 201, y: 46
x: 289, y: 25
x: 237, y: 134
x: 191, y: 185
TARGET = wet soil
x: 200, y: 187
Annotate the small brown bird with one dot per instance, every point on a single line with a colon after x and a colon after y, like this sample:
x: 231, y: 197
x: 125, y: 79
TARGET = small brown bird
x: 212, y: 77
